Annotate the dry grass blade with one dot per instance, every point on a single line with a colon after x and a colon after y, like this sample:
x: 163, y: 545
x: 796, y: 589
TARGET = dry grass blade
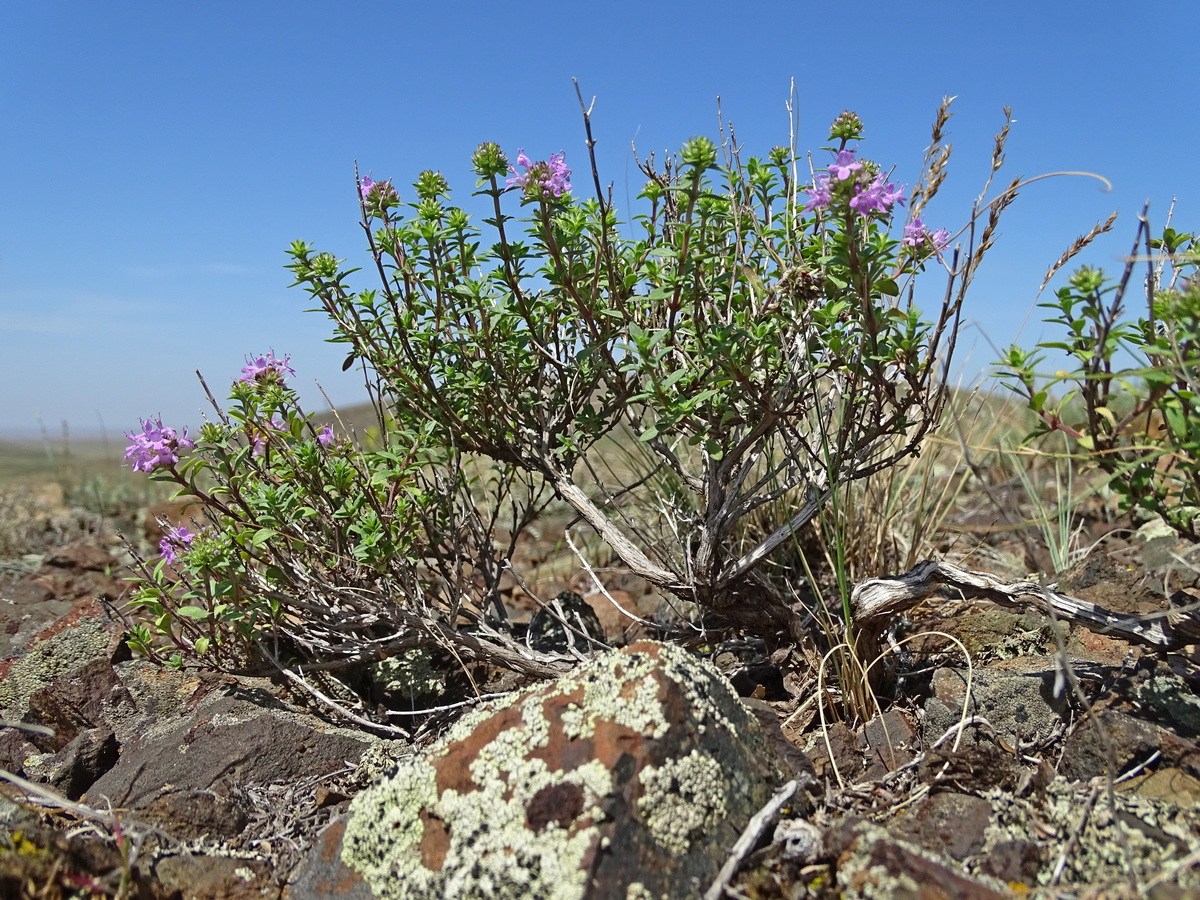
x: 1079, y: 244
x: 1000, y: 140
x: 937, y: 157
x: 997, y: 208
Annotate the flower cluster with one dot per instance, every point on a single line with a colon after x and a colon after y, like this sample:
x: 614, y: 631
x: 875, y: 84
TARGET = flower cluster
x: 155, y: 447
x: 267, y: 369
x: 260, y: 439
x: 382, y: 189
x: 175, y: 541
x: 917, y: 235
x: 860, y: 185
x: 543, y: 178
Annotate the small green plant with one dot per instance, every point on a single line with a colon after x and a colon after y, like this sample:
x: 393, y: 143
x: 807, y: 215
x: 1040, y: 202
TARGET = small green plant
x: 1129, y: 398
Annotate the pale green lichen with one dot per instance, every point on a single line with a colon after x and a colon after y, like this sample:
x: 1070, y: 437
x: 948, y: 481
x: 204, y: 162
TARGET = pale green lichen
x: 491, y: 850
x: 468, y: 722
x: 50, y: 659
x: 1169, y: 696
x: 638, y: 891
x: 601, y: 683
x: 682, y: 799
x: 383, y: 837
x: 1140, y: 837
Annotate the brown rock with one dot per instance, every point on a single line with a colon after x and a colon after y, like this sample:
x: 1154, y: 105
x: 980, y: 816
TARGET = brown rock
x: 949, y: 823
x: 83, y: 556
x: 74, y: 768
x: 1107, y: 740
x: 871, y: 863
x: 76, y: 702
x: 175, y: 513
x: 322, y: 875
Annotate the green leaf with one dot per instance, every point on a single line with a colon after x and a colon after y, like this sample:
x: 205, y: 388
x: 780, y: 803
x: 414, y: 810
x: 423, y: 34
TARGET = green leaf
x: 193, y: 612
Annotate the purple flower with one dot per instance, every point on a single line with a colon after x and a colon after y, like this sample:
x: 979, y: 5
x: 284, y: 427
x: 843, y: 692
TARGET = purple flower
x: 550, y: 176
x: 819, y: 194
x: 325, y: 436
x: 383, y: 189
x: 878, y: 196
x: 267, y: 368
x: 176, y: 539
x: 260, y: 439
x: 156, y: 446
x: 842, y: 167
x: 915, y: 233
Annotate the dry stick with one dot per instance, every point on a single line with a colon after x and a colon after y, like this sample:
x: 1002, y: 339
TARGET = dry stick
x: 878, y: 600
x: 47, y: 798
x: 333, y: 704
x: 599, y: 584
x: 749, y: 838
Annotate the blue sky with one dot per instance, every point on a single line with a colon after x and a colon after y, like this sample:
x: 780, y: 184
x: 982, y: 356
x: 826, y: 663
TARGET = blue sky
x: 158, y: 158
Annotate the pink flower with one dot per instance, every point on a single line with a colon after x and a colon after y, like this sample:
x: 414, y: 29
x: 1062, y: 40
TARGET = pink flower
x: 842, y: 167
x: 267, y: 368
x: 819, y: 194
x: 550, y: 176
x: 156, y: 447
x: 325, y: 436
x: 383, y: 189
x: 176, y: 539
x: 916, y: 234
x: 878, y: 196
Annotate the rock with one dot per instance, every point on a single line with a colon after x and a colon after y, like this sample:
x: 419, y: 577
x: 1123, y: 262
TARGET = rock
x: 1169, y: 785
x: 887, y: 742
x: 222, y: 735
x: 881, y: 746
x: 323, y: 875
x: 187, y: 512
x: 872, y: 863
x: 192, y: 815
x: 75, y: 768
x: 77, y: 637
x: 75, y: 702
x: 1107, y: 738
x: 83, y: 556
x: 216, y: 877
x: 548, y: 634
x: 950, y: 823
x: 1019, y: 701
x: 630, y: 777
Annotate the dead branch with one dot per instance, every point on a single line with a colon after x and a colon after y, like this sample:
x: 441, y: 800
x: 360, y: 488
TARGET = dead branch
x: 878, y: 601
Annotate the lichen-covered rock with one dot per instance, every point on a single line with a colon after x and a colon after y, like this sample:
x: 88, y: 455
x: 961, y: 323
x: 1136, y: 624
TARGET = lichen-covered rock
x: 630, y: 777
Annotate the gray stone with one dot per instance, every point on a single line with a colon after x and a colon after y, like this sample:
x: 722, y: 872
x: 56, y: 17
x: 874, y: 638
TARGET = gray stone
x: 630, y: 777
x: 1019, y: 701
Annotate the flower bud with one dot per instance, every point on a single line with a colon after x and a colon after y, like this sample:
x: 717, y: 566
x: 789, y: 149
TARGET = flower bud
x: 846, y: 127
x: 488, y: 160
x: 700, y: 153
x: 431, y: 185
